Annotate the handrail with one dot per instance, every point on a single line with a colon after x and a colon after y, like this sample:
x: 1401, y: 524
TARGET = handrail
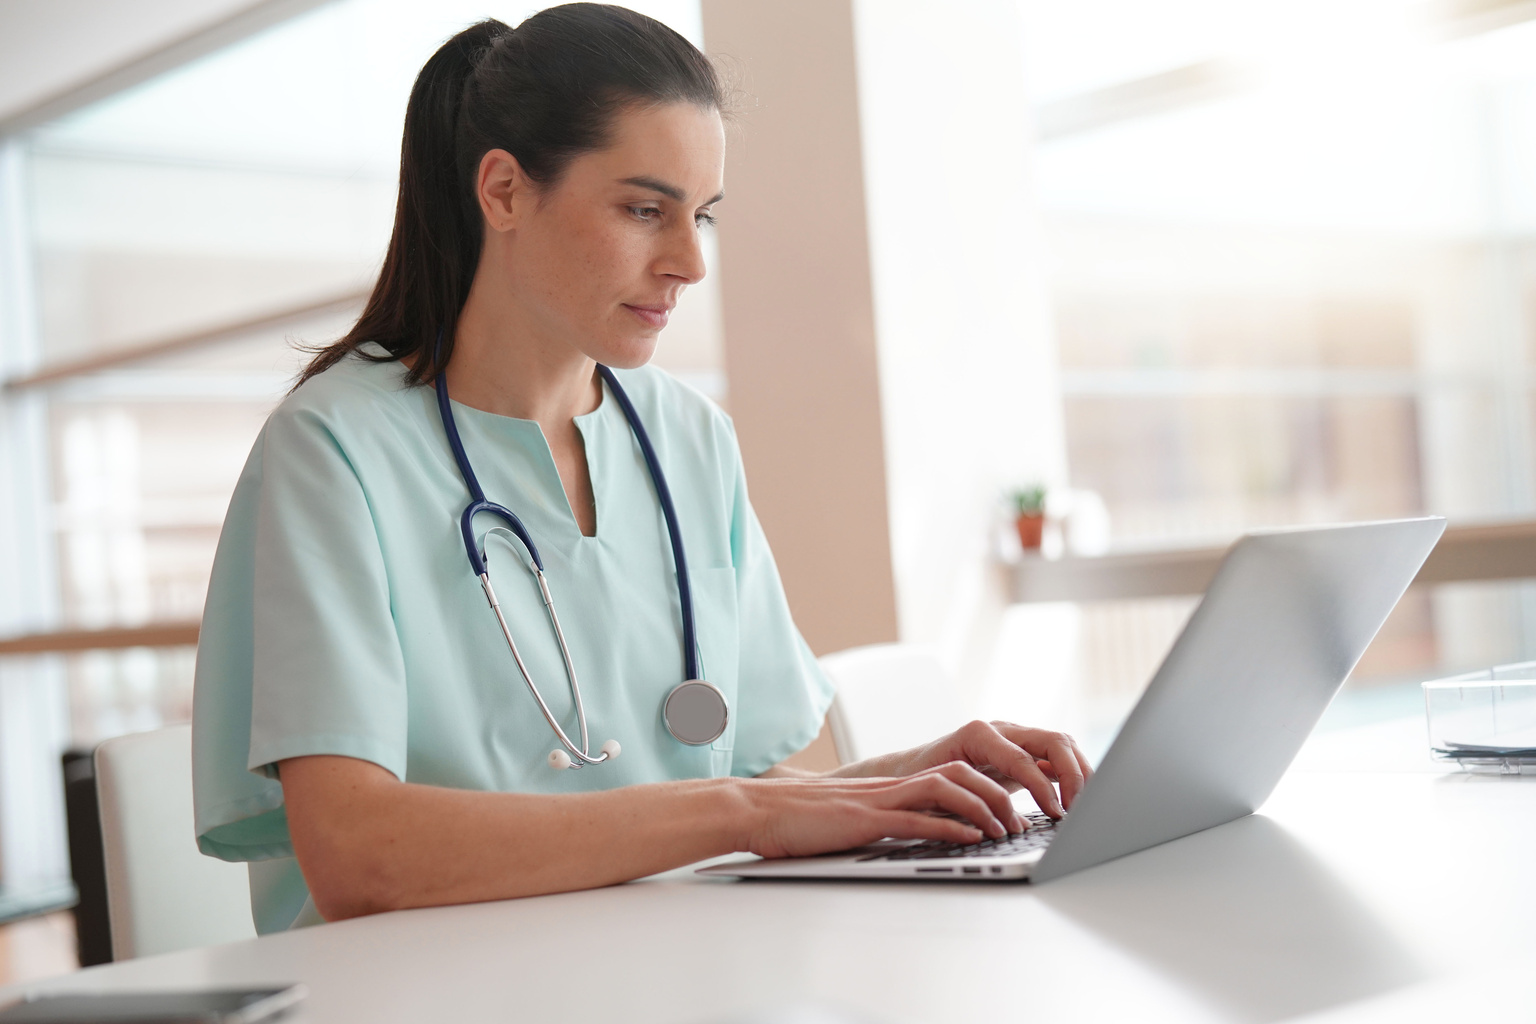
x: 67, y: 641
x: 1487, y: 551
x: 182, y: 342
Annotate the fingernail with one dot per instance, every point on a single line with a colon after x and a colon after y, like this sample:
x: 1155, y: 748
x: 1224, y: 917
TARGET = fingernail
x: 1015, y: 823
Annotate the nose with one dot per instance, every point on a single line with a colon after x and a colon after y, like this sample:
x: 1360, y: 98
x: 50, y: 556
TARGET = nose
x: 683, y: 257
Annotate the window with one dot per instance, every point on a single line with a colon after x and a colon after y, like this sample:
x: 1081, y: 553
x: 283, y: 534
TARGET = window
x: 1292, y: 274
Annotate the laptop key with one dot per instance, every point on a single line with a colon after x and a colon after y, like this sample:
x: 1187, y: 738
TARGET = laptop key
x: 1040, y: 832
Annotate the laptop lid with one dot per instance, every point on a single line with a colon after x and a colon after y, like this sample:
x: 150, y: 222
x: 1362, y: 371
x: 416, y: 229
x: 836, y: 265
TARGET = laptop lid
x: 1288, y: 615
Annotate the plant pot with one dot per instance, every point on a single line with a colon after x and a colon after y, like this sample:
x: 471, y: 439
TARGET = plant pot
x: 1031, y: 530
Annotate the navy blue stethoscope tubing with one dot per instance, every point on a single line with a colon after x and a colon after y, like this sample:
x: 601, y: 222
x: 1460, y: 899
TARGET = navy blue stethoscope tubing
x: 674, y: 532
x: 478, y: 504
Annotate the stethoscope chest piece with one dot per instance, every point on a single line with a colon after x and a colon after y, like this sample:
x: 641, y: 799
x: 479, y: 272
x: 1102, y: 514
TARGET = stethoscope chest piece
x: 695, y: 713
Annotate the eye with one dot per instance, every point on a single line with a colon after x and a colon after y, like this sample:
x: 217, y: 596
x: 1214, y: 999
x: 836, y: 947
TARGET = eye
x: 704, y: 219
x: 646, y: 213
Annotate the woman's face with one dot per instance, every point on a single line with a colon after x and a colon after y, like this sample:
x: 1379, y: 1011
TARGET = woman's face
x: 597, y: 262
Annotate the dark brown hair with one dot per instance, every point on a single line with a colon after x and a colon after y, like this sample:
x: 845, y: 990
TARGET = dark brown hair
x: 545, y: 92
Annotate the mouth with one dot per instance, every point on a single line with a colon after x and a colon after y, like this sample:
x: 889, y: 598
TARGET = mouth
x: 651, y: 316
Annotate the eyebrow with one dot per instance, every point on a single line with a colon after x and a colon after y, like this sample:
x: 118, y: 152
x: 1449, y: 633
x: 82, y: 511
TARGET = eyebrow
x: 667, y: 189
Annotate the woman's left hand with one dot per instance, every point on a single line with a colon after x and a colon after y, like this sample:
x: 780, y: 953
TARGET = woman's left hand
x: 1016, y: 756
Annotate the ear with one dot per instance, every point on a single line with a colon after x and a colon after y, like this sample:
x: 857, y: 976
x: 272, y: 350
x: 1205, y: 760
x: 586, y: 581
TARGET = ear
x: 502, y: 189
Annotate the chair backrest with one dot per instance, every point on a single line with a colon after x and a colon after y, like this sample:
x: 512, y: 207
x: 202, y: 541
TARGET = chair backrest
x: 163, y: 894
x: 889, y: 697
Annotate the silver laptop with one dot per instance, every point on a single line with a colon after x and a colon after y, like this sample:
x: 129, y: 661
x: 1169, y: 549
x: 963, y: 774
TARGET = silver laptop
x: 1284, y: 621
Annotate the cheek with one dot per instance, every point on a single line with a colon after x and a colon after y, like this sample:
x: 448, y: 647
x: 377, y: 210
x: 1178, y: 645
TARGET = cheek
x: 606, y: 256
x: 582, y: 271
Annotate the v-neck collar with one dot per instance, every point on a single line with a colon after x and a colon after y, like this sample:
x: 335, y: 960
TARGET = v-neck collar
x: 528, y: 435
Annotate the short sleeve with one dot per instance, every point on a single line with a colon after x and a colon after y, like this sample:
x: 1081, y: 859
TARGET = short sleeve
x: 328, y: 676
x: 299, y: 653
x: 782, y: 693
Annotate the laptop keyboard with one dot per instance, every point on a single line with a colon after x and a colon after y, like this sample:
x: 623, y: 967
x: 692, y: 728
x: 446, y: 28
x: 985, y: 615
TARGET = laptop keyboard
x: 1041, y: 830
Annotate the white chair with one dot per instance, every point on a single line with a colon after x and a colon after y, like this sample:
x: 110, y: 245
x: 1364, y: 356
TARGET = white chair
x: 889, y: 697
x: 162, y: 893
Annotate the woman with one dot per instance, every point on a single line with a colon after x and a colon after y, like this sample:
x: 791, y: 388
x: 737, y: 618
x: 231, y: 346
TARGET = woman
x: 362, y: 732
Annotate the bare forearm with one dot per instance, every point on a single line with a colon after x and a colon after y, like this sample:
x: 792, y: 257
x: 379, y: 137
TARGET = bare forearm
x: 819, y: 761
x: 388, y: 845
x: 886, y: 765
x: 368, y: 842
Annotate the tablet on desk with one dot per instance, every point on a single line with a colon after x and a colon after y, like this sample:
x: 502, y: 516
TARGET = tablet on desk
x: 215, y: 1006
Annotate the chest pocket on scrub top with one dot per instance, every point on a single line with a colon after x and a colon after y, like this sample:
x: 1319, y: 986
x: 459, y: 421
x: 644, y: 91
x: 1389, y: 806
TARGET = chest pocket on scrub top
x: 714, y: 601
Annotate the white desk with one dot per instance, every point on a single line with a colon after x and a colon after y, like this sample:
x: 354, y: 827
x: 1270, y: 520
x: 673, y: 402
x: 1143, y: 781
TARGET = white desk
x: 1359, y: 895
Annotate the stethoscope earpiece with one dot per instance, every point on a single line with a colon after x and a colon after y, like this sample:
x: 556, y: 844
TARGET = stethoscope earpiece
x: 560, y: 760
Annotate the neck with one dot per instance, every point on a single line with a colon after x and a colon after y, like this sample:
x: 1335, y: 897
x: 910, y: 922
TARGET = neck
x: 502, y: 363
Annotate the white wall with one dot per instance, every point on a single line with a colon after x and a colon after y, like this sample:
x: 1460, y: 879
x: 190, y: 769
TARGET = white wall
x: 968, y: 381
x: 797, y: 313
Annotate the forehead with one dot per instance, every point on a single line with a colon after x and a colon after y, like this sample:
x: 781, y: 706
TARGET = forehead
x: 679, y: 143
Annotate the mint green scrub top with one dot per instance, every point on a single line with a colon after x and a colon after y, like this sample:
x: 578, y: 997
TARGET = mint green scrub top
x: 343, y: 616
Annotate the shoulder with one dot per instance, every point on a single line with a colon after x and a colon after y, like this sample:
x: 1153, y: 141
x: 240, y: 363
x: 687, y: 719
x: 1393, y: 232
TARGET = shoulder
x: 351, y: 421
x: 360, y: 408
x: 356, y: 387
x: 684, y: 424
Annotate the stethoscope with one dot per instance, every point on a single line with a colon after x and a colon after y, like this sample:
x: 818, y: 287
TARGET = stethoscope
x: 695, y: 711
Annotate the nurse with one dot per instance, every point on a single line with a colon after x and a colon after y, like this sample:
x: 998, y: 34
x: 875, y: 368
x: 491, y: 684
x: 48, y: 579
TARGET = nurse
x: 363, y: 735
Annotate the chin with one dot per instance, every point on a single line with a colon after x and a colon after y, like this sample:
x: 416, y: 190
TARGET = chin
x: 629, y: 353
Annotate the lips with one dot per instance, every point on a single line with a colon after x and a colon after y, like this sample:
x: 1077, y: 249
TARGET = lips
x: 651, y: 316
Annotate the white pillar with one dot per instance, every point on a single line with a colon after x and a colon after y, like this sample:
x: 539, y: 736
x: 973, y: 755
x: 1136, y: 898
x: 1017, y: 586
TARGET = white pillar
x: 798, y: 316
x: 887, y: 341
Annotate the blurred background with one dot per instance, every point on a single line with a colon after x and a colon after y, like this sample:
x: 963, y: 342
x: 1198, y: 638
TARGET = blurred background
x: 1194, y: 266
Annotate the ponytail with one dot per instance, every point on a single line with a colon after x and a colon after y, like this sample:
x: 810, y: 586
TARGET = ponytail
x: 546, y: 92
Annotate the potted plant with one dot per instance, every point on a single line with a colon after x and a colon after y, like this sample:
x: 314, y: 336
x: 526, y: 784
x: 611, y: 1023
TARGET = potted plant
x: 1029, y: 514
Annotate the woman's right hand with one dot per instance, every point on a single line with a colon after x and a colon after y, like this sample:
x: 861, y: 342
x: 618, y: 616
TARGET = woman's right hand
x: 798, y: 817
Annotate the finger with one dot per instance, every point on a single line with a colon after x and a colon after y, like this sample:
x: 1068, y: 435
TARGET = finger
x: 1038, y: 742
x: 1069, y: 774
x: 1084, y: 768
x: 935, y: 790
x: 988, y: 789
x: 1065, y: 761
x: 1041, y: 788
x: 898, y: 824
x: 1082, y: 760
x: 1000, y: 777
x: 987, y: 745
x: 957, y: 798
